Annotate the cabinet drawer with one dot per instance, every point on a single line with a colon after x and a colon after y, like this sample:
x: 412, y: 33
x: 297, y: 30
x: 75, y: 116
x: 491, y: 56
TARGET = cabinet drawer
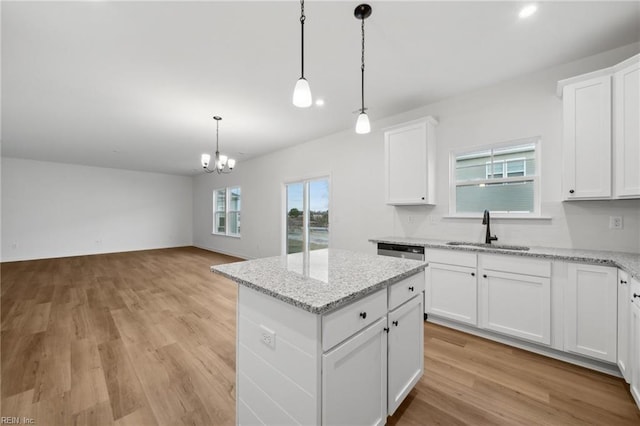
x: 516, y: 265
x: 404, y: 290
x: 451, y: 257
x: 348, y: 320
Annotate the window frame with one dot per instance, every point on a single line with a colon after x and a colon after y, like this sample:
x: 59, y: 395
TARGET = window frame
x: 535, y: 178
x: 227, y: 210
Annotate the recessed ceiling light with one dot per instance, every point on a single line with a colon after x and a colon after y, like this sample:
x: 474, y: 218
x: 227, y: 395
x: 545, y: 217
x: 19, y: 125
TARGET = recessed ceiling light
x: 319, y: 102
x: 527, y: 11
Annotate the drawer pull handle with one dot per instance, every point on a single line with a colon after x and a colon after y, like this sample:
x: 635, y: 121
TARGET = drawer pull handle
x: 473, y: 274
x: 395, y: 323
x: 410, y: 288
x: 363, y: 315
x: 386, y: 329
x: 622, y: 282
x: 571, y: 191
x: 636, y: 295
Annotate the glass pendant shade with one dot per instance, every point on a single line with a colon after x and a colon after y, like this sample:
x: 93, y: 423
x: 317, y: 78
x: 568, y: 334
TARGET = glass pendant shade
x: 302, y: 94
x: 362, y: 125
x: 223, y: 160
x: 231, y: 163
x: 205, y: 160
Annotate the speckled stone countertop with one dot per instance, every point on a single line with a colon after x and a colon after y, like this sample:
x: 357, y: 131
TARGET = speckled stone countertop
x: 629, y: 262
x: 320, y: 280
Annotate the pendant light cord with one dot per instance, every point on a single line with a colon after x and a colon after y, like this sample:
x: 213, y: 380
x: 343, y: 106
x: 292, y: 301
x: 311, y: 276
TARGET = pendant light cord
x: 362, y: 68
x: 302, y: 19
x: 217, y: 141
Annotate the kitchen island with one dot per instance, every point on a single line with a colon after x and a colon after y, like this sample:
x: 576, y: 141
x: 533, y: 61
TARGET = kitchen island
x: 326, y: 337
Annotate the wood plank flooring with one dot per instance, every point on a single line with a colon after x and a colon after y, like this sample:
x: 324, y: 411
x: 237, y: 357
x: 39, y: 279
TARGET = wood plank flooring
x: 148, y: 338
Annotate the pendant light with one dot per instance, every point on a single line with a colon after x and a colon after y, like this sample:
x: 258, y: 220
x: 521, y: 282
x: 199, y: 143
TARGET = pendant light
x: 223, y: 164
x: 362, y: 12
x: 302, y: 92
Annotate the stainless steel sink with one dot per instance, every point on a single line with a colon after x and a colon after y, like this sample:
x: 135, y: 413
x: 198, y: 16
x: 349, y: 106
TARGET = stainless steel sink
x: 485, y: 245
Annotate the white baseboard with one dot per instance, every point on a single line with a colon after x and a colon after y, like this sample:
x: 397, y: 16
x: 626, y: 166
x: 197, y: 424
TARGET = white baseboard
x: 228, y: 253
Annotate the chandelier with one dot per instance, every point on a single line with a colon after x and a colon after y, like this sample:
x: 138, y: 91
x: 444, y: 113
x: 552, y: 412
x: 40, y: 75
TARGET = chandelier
x: 222, y: 164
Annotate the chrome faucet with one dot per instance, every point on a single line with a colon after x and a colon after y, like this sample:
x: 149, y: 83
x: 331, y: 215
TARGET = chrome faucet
x: 486, y: 221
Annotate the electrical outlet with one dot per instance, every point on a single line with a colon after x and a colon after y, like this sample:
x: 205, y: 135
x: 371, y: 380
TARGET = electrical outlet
x: 615, y: 222
x: 267, y: 336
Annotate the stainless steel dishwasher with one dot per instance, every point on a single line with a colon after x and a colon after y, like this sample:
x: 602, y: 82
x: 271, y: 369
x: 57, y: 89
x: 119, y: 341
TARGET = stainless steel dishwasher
x: 401, y: 250
x: 406, y: 252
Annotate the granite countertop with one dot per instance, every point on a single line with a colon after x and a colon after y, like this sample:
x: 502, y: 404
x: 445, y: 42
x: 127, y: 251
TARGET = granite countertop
x: 629, y: 262
x: 320, y: 280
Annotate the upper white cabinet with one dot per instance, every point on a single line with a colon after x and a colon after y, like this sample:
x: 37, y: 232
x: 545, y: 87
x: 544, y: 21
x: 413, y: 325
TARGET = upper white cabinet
x: 410, y: 154
x: 587, y: 139
x: 601, y: 113
x: 626, y: 129
x: 591, y: 300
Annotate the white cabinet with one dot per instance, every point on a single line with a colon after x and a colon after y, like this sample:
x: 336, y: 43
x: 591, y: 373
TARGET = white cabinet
x: 452, y: 292
x: 410, y: 162
x: 623, y: 324
x: 406, y: 351
x: 354, y: 379
x: 590, y: 301
x: 601, y: 113
x: 635, y: 340
x: 515, y: 297
x: 587, y: 139
x: 626, y: 129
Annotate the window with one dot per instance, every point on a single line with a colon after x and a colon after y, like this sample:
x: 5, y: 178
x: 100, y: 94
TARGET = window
x: 226, y: 211
x: 501, y: 178
x: 307, y: 215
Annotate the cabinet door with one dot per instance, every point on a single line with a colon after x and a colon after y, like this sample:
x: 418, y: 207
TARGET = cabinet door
x: 516, y: 305
x: 410, y: 163
x: 354, y: 379
x: 590, y: 311
x: 635, y: 341
x: 406, y: 351
x: 626, y: 130
x: 587, y: 139
x: 623, y: 324
x: 451, y: 292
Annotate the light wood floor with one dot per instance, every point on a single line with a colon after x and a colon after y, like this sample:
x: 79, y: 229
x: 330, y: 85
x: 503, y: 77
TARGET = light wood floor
x: 148, y: 338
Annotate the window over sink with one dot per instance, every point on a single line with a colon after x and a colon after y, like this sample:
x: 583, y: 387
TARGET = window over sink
x: 503, y: 178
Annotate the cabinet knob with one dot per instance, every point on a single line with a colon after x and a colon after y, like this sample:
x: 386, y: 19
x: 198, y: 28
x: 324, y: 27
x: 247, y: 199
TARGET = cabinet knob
x: 636, y: 295
x: 395, y: 323
x: 571, y: 191
x: 623, y: 282
x: 423, y: 198
x: 363, y: 315
x: 484, y: 275
x: 386, y: 329
x: 410, y: 288
x: 473, y: 274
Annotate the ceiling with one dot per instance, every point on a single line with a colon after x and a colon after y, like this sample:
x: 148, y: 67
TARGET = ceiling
x: 134, y: 85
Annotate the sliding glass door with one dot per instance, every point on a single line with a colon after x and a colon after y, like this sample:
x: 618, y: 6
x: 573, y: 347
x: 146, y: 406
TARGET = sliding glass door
x: 307, y: 215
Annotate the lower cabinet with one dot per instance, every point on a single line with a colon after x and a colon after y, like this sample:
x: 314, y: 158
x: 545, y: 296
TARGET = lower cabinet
x: 405, y: 351
x: 354, y: 379
x: 634, y: 364
x: 623, y: 324
x: 452, y: 292
x: 590, y: 302
x: 516, y: 304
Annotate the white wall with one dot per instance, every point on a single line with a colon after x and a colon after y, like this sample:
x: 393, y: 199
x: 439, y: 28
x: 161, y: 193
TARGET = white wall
x: 56, y: 210
x: 526, y: 106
